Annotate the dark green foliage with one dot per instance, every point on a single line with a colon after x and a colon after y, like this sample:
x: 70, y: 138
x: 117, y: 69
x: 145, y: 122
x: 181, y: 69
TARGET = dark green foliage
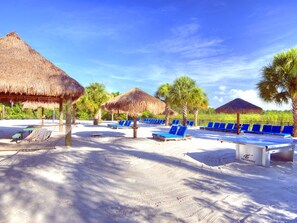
x: 15, y: 111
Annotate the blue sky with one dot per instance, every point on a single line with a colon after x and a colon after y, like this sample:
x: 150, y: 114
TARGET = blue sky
x: 122, y: 44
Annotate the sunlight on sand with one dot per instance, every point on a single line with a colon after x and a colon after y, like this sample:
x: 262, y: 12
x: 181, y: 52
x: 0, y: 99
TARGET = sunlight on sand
x: 115, y: 178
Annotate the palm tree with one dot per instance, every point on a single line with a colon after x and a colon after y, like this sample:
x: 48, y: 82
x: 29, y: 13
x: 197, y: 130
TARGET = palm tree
x: 95, y: 95
x: 113, y: 95
x: 279, y: 81
x: 180, y: 93
x: 198, y: 101
x: 163, y: 94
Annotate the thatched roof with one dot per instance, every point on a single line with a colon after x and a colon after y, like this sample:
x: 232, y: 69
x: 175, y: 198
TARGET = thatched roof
x: 135, y: 101
x: 238, y: 106
x: 35, y: 105
x: 26, y: 75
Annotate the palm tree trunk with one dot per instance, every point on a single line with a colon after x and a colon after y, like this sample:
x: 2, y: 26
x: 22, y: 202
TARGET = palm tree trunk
x: 185, y: 107
x: 97, y: 117
x: 166, y: 114
x: 74, y: 113
x: 196, y: 117
x: 294, y: 109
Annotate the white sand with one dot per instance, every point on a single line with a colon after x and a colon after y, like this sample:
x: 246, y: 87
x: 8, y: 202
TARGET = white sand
x: 115, y: 178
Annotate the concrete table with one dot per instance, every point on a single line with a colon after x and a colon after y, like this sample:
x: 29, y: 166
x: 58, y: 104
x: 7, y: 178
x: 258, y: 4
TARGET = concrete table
x: 259, y: 150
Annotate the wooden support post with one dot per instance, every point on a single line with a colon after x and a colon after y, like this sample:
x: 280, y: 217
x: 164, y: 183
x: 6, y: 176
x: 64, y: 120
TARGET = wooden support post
x: 53, y: 115
x: 238, y: 123
x: 135, y: 126
x: 42, y: 116
x: 68, y: 121
x: 74, y: 113
x: 61, y: 116
x: 3, y: 111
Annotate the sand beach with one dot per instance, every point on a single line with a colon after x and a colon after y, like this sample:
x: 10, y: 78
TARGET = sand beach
x: 115, y: 178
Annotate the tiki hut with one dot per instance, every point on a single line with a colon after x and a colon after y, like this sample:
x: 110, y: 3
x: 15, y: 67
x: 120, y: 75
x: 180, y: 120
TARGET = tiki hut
x: 28, y: 76
x: 238, y: 106
x: 135, y: 102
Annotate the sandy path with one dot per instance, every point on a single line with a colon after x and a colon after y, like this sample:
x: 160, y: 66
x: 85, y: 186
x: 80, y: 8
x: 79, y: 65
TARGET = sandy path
x: 114, y: 178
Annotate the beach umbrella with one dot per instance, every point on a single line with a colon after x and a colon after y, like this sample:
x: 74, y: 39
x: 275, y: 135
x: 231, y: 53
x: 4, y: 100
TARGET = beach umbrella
x: 28, y: 76
x: 37, y: 104
x: 238, y: 106
x: 135, y: 102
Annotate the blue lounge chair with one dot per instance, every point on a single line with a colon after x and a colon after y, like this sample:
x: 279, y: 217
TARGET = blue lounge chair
x: 172, y: 130
x: 255, y: 129
x: 175, y: 122
x: 121, y: 123
x: 266, y: 129
x: 221, y: 127
x: 181, y: 133
x: 209, y: 125
x: 287, y: 131
x: 215, y: 126
x: 190, y: 123
x: 127, y: 124
x: 275, y: 129
x: 234, y: 129
x: 229, y: 127
x: 244, y: 127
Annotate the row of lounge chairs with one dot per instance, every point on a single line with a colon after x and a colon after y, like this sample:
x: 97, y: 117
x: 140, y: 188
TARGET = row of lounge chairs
x: 121, y: 125
x: 177, y: 122
x: 154, y: 121
x: 230, y: 127
x: 256, y: 129
x: 162, y: 122
x: 175, y: 133
x: 287, y: 131
x: 190, y: 123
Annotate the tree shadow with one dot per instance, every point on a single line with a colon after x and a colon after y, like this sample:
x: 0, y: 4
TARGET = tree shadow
x: 71, y: 186
x: 214, y: 158
x: 7, y: 132
x: 82, y: 185
x: 85, y: 134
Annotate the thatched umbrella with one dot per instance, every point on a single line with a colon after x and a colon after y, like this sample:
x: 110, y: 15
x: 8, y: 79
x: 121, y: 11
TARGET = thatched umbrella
x: 135, y: 102
x: 36, y: 104
x: 112, y: 111
x: 28, y: 76
x: 238, y: 106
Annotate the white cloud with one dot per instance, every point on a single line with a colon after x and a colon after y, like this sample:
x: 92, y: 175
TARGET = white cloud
x: 216, y: 98
x: 222, y: 88
x: 186, y: 30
